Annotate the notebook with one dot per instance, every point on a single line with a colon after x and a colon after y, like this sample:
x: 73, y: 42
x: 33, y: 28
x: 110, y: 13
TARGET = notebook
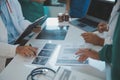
x: 99, y: 10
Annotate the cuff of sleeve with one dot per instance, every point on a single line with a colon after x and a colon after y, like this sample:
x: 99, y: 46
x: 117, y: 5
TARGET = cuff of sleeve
x: 108, y: 40
x: 13, y: 50
x: 101, y: 56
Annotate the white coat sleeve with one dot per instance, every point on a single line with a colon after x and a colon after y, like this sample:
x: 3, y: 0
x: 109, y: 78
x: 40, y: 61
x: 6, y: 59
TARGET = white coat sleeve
x: 7, y: 50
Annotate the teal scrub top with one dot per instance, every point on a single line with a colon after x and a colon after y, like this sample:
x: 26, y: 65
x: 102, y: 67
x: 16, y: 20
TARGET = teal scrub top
x: 31, y: 10
x: 111, y: 53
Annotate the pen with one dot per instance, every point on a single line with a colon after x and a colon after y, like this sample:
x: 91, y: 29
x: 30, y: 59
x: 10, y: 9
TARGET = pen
x: 30, y: 45
x: 32, y: 51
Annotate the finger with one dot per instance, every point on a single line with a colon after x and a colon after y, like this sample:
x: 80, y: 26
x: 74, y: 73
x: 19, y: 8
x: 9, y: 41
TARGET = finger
x: 88, y: 40
x: 84, y: 34
x: 29, y: 54
x: 88, y: 52
x: 85, y: 57
x: 23, y: 54
x: 82, y: 58
x: 34, y: 50
x: 100, y: 29
x: 80, y: 51
x: 86, y: 37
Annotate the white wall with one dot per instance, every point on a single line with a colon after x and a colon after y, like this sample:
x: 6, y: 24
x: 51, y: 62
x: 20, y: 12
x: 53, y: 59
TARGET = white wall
x: 54, y: 10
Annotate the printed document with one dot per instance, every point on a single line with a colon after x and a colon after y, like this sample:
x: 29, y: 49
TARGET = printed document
x: 67, y: 55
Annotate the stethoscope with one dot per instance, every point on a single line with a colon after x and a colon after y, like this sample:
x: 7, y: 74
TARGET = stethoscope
x: 39, y: 71
x: 9, y: 8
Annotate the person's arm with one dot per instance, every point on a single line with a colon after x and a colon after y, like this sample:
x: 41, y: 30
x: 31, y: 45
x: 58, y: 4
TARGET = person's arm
x: 67, y: 6
x: 85, y: 53
x: 93, y: 38
x: 105, y: 53
x: 7, y: 50
x: 102, y: 27
x: 26, y: 51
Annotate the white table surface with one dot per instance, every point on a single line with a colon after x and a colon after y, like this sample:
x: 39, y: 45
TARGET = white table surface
x: 20, y: 67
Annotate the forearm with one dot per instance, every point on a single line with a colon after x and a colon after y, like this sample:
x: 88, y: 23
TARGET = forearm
x: 101, y: 42
x: 67, y: 5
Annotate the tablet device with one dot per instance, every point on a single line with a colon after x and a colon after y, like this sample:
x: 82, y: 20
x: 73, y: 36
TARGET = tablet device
x: 29, y: 29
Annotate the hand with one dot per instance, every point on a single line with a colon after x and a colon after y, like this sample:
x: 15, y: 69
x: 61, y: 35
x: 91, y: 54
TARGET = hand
x: 26, y: 51
x: 102, y: 26
x: 66, y: 11
x: 93, y: 39
x: 37, y: 29
x: 85, y: 53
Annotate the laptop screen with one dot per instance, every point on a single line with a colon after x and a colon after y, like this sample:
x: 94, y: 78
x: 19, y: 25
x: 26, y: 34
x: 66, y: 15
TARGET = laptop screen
x: 101, y: 9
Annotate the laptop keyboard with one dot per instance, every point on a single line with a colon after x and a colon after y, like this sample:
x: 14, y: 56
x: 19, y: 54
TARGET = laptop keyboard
x: 86, y: 21
x: 82, y: 24
x: 85, y: 24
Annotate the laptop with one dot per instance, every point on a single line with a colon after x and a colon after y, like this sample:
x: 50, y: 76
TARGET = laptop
x: 98, y: 11
x: 21, y: 39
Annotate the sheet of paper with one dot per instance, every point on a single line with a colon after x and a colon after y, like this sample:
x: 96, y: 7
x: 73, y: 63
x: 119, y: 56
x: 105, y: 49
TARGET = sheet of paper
x: 67, y: 55
x: 44, y: 55
x: 71, y: 74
